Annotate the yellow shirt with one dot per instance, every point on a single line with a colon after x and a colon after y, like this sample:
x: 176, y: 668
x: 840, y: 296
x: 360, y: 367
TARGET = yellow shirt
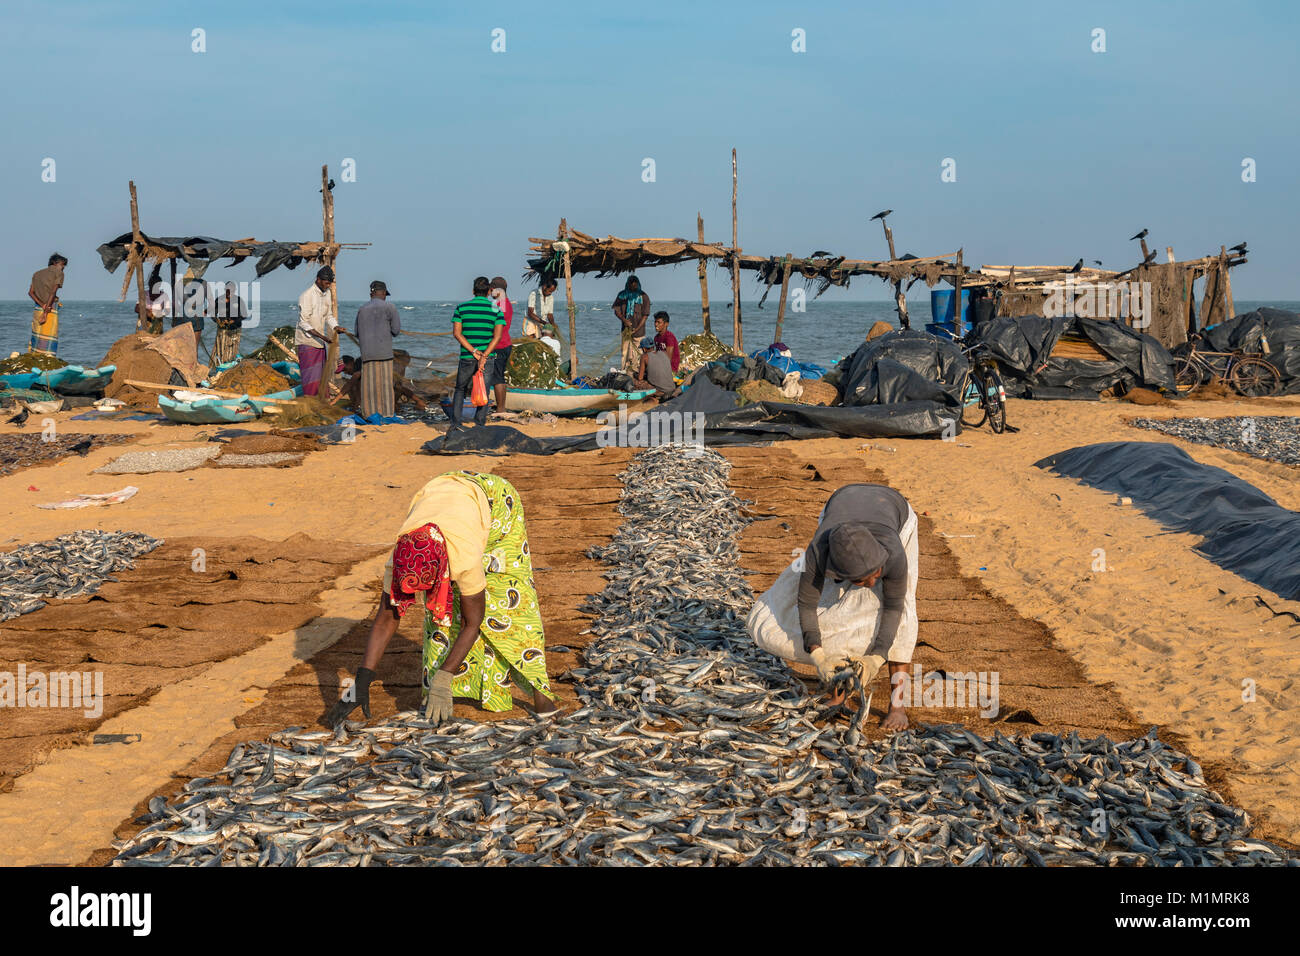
x: 461, y: 511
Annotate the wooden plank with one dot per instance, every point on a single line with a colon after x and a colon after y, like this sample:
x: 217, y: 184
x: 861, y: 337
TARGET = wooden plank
x: 568, y: 298
x: 785, y: 288
x: 138, y: 244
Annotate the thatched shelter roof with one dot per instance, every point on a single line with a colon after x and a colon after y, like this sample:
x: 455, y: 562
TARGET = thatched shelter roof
x: 199, y: 252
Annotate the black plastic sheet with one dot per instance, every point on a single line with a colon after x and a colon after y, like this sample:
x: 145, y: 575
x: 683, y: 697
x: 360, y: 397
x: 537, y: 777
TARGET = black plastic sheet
x: 753, y: 424
x: 201, y: 251
x: 901, y: 367
x: 1243, y: 530
x: 1279, y: 327
x: 1023, y: 345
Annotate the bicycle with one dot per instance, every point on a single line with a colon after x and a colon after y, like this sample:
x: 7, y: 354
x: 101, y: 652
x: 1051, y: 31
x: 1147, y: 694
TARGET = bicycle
x: 1249, y: 373
x: 983, y: 395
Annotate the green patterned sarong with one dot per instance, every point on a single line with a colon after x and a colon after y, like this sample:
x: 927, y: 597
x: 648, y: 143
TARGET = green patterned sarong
x: 510, y: 646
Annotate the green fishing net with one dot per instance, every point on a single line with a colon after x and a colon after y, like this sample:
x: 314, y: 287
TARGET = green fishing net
x: 532, y: 365
x: 700, y: 349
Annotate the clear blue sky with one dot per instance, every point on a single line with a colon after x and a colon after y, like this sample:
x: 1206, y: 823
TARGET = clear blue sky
x: 462, y: 153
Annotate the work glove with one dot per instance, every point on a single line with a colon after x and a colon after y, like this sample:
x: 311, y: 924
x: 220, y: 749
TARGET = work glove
x: 360, y: 694
x: 437, y: 707
x: 826, y: 664
x: 871, y: 664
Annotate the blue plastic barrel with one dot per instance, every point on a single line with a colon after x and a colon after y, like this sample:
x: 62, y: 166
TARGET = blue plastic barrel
x: 941, y: 309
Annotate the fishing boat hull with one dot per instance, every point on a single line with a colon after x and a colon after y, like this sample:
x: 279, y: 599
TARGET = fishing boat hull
x: 570, y: 401
x: 209, y: 411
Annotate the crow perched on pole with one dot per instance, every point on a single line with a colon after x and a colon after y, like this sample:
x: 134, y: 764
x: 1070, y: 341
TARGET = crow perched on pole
x: 1077, y: 266
x: 1140, y: 235
x: 1239, y: 247
x: 881, y: 215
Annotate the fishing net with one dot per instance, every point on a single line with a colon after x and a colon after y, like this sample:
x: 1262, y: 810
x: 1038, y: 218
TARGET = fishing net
x: 760, y: 391
x: 268, y: 352
x: 135, y: 361
x: 700, y: 349
x: 26, y: 361
x: 532, y: 365
x: 308, y: 410
x: 252, y: 378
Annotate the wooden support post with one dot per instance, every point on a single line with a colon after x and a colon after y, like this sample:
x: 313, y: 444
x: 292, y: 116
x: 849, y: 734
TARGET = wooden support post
x: 1230, y: 309
x: 1145, y: 251
x: 172, y: 298
x: 327, y: 228
x: 1169, y: 253
x: 956, y: 298
x: 568, y: 298
x: 785, y: 288
x: 704, y: 277
x: 737, y: 338
x: 900, y: 299
x: 137, y: 243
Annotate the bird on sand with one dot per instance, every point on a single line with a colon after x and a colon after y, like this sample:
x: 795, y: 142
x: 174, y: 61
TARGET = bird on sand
x: 20, y: 418
x: 1140, y: 235
x: 82, y: 447
x: 881, y: 215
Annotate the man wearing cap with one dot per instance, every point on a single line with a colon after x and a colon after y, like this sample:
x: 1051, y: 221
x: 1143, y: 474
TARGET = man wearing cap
x: 866, y: 536
x: 316, y: 328
x: 656, y: 371
x: 377, y: 323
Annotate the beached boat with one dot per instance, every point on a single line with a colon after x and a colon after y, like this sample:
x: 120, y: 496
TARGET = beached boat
x: 69, y: 380
x: 208, y: 411
x: 570, y: 401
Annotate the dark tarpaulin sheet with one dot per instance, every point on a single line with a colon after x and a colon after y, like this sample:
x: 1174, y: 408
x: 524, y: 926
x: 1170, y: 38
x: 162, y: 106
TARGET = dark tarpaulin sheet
x: 724, y: 424
x: 1023, y: 345
x: 1243, y: 530
x: 204, y: 250
x: 1280, y: 327
x: 903, y: 366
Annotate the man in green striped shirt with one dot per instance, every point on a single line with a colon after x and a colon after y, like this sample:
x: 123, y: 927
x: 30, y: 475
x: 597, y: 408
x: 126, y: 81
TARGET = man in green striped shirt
x: 477, y: 326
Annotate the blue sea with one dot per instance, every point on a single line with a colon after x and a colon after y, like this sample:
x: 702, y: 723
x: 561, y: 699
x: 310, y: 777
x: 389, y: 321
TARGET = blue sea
x: 824, y: 333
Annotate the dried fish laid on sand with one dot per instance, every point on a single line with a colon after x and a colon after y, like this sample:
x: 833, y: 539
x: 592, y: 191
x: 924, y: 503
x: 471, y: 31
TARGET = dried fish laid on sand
x: 1271, y: 437
x: 68, y: 566
x: 690, y: 747
x: 35, y: 447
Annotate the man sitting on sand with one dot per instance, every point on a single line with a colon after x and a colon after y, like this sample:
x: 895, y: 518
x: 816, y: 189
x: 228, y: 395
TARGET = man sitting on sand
x: 656, y: 371
x: 666, y: 341
x: 866, y: 535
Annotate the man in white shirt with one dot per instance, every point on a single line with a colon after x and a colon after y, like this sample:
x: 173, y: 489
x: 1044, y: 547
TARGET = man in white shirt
x: 317, y: 327
x: 539, y: 323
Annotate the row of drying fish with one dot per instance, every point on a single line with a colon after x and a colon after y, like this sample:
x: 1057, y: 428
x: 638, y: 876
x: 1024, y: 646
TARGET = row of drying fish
x: 65, y: 567
x: 691, y: 747
x: 1271, y: 437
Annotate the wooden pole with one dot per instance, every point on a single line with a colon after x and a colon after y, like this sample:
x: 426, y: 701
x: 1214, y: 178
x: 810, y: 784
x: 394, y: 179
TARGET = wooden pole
x: 956, y: 298
x: 704, y: 277
x: 737, y: 337
x: 900, y: 299
x: 1229, y: 307
x: 172, y: 298
x: 327, y: 229
x: 785, y: 288
x: 568, y: 298
x: 138, y: 242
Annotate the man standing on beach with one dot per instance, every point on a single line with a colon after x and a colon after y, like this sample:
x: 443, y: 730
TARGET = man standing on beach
x: 501, y: 352
x: 632, y: 307
x: 44, y: 291
x: 229, y: 317
x: 476, y: 325
x: 665, y: 341
x: 377, y: 323
x: 316, y: 328
x: 541, y: 310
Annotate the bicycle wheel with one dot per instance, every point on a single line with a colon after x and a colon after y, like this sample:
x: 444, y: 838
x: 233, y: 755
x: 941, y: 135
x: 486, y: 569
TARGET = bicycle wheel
x: 1254, y: 377
x: 996, y: 402
x: 973, y: 412
x: 1189, y: 376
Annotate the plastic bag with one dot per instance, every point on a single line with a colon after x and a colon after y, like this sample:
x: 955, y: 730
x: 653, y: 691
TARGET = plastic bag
x: 478, y: 391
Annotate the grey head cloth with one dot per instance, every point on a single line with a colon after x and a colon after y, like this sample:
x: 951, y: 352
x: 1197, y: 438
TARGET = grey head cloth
x: 852, y: 552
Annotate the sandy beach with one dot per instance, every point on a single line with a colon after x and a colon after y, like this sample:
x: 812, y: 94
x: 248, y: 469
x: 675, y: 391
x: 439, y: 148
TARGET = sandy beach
x: 1162, y: 637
